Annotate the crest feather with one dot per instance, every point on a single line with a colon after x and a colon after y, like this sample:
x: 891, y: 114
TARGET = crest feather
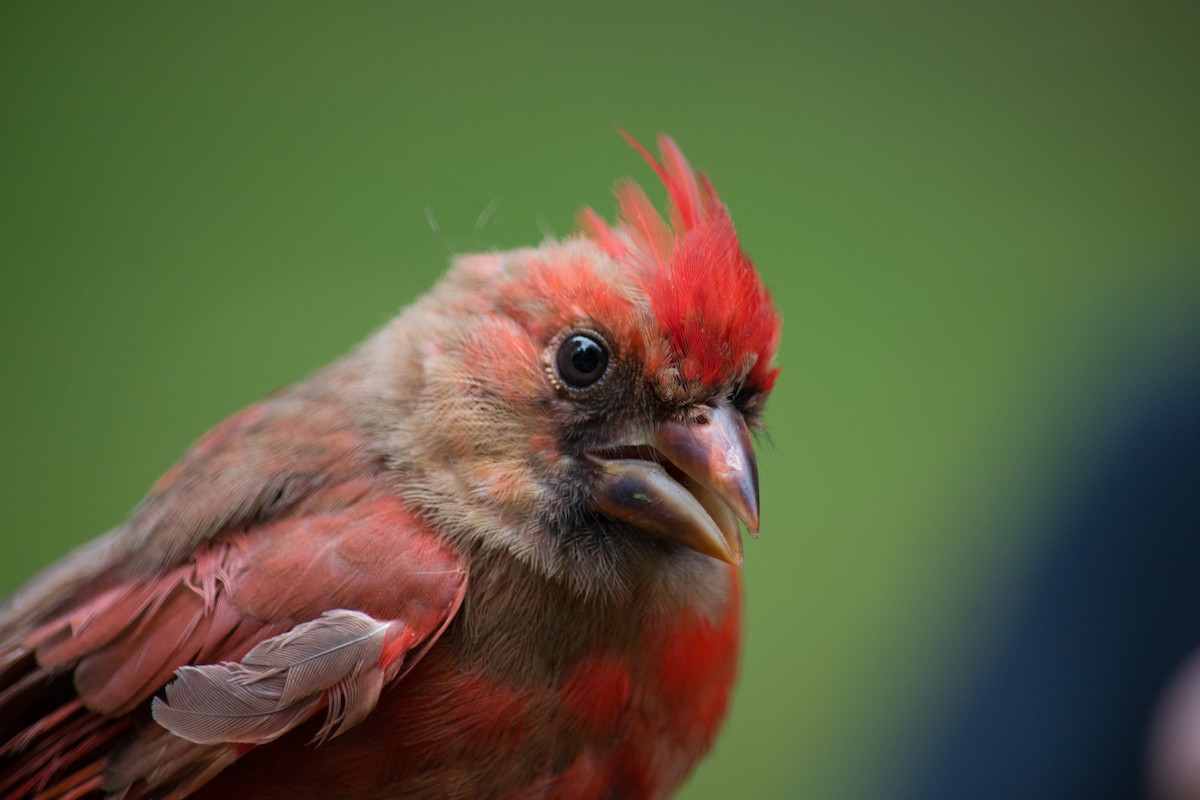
x: 703, y: 289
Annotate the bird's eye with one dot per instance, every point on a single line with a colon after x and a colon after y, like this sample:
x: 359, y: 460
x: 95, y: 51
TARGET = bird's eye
x: 582, y: 360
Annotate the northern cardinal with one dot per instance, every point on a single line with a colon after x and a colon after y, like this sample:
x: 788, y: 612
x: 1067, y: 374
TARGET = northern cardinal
x: 493, y: 552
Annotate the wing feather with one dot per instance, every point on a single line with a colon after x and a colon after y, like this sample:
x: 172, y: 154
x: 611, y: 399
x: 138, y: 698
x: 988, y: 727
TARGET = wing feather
x: 303, y: 585
x: 280, y: 683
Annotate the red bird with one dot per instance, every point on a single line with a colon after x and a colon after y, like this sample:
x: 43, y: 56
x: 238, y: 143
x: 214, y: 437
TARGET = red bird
x: 492, y: 553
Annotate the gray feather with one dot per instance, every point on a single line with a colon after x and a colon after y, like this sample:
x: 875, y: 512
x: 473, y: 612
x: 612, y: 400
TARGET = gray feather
x: 280, y: 683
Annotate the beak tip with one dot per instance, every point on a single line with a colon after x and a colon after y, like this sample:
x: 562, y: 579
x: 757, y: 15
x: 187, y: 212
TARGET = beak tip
x: 731, y: 555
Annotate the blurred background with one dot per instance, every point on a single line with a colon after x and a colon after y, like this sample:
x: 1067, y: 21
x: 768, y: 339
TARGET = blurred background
x: 981, y: 223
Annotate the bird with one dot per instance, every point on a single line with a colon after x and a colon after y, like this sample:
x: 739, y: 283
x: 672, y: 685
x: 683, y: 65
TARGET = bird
x: 493, y: 552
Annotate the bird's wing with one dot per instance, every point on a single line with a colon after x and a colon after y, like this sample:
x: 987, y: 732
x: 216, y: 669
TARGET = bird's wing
x: 306, y: 586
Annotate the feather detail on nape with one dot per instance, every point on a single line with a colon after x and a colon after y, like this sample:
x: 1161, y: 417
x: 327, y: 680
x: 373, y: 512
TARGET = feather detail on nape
x: 703, y: 289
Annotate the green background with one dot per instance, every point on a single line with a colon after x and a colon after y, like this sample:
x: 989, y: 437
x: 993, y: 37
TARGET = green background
x: 967, y: 213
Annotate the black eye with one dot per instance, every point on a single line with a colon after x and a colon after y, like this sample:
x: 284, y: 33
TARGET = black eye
x: 582, y: 360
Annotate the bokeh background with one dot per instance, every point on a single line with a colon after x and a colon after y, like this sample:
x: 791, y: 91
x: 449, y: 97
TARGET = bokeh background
x: 981, y: 222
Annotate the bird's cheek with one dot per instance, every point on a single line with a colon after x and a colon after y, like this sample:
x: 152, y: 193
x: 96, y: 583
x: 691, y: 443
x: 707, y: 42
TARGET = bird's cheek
x: 544, y: 445
x: 506, y: 484
x: 501, y: 355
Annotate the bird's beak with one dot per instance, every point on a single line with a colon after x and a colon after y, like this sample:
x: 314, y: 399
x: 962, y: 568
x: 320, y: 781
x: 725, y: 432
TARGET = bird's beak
x: 688, y: 482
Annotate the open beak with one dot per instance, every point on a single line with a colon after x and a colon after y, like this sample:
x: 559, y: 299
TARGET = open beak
x: 688, y: 482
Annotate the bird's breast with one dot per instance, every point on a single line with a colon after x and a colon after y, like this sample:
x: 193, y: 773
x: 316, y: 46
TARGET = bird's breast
x: 623, y: 715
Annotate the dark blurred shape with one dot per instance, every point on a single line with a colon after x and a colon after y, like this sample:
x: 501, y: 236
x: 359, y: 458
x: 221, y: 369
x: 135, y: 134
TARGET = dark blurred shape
x: 1064, y: 707
x: 1174, y: 751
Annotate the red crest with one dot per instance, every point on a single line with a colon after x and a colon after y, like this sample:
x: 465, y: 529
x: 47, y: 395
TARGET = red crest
x: 703, y: 289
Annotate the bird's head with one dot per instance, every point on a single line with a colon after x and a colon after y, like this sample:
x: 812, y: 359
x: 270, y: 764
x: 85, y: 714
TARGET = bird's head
x: 587, y: 405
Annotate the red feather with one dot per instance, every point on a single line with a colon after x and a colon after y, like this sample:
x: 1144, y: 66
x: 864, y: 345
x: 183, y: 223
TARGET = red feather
x: 703, y: 289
